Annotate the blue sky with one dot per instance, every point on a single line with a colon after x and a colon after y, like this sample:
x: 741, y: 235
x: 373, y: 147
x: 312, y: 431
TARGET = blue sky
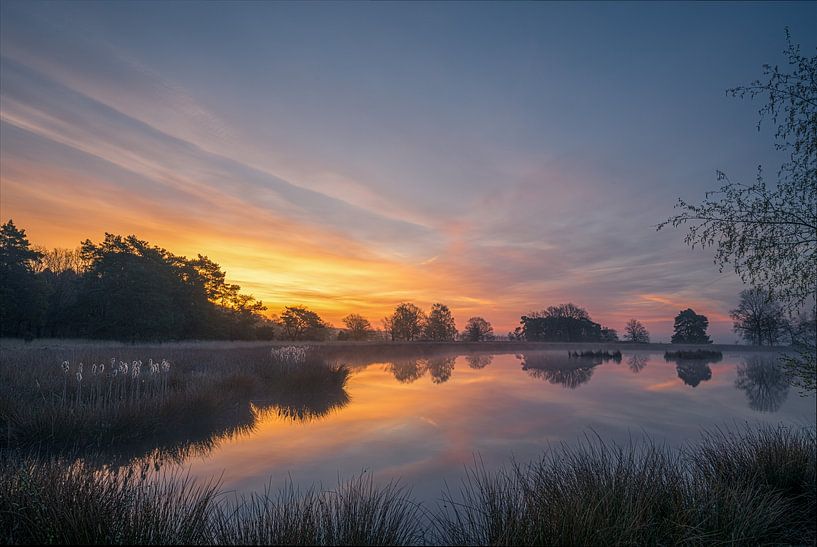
x: 499, y: 157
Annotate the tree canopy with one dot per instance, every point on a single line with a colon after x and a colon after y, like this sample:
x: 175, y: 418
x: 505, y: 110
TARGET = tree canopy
x: 477, y: 329
x: 759, y: 318
x: 690, y: 328
x: 406, y: 323
x: 562, y: 323
x: 636, y: 332
x: 301, y: 323
x: 440, y: 325
x: 119, y: 288
x: 357, y: 327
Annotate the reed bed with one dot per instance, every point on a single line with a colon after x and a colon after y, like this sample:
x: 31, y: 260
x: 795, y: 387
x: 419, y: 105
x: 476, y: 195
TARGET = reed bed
x: 88, y: 399
x: 745, y: 487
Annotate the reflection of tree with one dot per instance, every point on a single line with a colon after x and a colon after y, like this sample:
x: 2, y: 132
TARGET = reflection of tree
x: 558, y: 369
x: 693, y: 371
x: 637, y: 362
x: 764, y: 383
x: 478, y: 361
x: 408, y: 370
x: 441, y: 368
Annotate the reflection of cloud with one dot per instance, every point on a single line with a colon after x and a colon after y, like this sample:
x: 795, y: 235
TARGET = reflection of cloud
x: 764, y: 382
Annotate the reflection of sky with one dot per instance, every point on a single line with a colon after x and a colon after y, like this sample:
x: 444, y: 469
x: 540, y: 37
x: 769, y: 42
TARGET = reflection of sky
x: 498, y: 158
x: 424, y: 432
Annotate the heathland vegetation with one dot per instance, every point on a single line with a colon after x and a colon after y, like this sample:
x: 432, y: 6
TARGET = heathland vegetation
x: 747, y: 487
x: 133, y: 402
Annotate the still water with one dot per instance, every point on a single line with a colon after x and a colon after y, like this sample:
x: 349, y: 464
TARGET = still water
x: 423, y: 420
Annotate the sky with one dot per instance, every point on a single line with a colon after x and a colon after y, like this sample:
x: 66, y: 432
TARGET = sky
x: 497, y: 157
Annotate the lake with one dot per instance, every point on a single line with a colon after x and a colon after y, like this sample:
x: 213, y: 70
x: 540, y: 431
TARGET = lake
x: 424, y: 420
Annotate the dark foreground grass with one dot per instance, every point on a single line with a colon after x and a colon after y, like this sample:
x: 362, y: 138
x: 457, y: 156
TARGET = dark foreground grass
x: 748, y: 487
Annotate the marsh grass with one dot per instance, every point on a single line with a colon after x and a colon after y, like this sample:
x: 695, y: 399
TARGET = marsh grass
x: 200, y: 395
x: 53, y: 501
x: 354, y: 513
x: 745, y: 487
x: 748, y: 487
x: 48, y: 501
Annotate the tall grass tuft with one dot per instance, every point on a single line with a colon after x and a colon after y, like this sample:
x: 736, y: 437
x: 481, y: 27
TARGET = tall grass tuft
x: 356, y: 513
x: 752, y: 487
x: 51, y: 501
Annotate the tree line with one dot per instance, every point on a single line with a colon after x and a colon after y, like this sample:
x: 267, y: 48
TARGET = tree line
x: 124, y: 288
x: 121, y: 288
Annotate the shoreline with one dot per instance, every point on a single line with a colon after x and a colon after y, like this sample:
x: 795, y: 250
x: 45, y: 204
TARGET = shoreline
x: 495, y: 346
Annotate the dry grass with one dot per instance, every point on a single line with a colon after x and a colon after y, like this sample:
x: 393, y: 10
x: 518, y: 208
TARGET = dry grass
x: 43, y: 406
x: 749, y: 487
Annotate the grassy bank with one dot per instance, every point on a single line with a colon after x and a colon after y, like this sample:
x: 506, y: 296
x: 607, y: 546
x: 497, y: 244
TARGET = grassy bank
x: 751, y: 487
x: 137, y: 397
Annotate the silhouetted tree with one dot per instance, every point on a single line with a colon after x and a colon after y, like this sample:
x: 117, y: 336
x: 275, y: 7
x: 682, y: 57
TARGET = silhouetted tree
x: 22, y: 296
x: 690, y: 328
x: 609, y: 335
x: 563, y: 323
x: 440, y: 325
x: 759, y: 318
x: 635, y: 332
x: 134, y: 291
x: 769, y: 235
x: 764, y: 382
x: 517, y: 334
x: 406, y: 323
x: 477, y: 329
x: 301, y: 323
x: 122, y: 288
x: 357, y: 327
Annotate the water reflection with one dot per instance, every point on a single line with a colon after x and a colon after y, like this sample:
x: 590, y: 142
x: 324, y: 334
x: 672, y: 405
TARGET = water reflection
x: 318, y: 426
x: 636, y: 362
x: 567, y: 371
x: 764, y: 382
x: 441, y: 368
x: 478, y: 361
x: 693, y: 371
x: 407, y: 371
x: 299, y: 397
